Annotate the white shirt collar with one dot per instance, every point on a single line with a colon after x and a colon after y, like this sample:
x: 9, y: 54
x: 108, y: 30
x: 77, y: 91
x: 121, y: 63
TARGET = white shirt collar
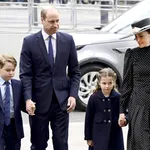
x: 46, y: 36
x: 2, y: 81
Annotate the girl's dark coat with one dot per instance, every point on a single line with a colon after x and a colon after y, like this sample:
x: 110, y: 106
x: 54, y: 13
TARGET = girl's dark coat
x: 101, y: 121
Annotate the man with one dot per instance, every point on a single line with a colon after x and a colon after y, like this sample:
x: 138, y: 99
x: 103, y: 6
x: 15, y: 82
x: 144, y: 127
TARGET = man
x: 50, y: 74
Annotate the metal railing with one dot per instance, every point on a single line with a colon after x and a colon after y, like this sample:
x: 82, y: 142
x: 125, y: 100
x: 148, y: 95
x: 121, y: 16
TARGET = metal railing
x: 25, y: 16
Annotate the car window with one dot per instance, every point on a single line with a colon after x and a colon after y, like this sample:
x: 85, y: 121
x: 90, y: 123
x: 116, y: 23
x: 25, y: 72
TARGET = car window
x: 123, y: 22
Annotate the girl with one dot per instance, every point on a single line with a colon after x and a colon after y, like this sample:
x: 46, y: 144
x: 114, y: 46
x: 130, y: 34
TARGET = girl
x: 102, y: 131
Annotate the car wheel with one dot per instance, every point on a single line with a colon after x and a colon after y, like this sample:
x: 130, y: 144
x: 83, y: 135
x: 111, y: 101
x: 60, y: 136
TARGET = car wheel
x: 78, y: 2
x: 87, y: 84
x: 92, y: 2
x: 64, y: 1
x: 84, y: 1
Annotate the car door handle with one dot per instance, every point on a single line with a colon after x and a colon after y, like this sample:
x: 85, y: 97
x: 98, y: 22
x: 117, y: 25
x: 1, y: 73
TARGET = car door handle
x: 117, y: 50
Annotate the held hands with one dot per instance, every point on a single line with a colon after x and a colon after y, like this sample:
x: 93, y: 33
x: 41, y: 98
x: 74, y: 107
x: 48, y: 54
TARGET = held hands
x: 30, y: 107
x: 90, y: 143
x: 122, y: 120
x: 71, y: 104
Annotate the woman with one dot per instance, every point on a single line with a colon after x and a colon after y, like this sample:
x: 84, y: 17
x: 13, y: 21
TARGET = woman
x: 135, y: 94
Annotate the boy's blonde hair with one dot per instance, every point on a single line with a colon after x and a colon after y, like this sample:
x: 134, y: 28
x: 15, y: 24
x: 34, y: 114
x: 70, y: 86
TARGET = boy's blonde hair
x: 7, y: 58
x: 106, y: 72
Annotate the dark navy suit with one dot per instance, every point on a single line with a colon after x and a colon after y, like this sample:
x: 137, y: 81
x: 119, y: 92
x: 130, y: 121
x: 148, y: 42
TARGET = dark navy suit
x: 17, y: 121
x: 44, y: 85
x: 101, y: 122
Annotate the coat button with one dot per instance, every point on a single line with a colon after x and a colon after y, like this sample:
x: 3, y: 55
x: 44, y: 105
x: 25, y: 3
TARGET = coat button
x: 109, y: 110
x: 103, y: 100
x: 109, y: 121
x: 105, y: 121
x: 108, y: 99
x: 104, y: 110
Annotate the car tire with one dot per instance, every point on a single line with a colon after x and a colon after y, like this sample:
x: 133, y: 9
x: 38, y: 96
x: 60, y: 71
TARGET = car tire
x: 87, y: 84
x: 64, y: 1
x: 92, y: 2
x: 78, y: 2
x: 84, y: 1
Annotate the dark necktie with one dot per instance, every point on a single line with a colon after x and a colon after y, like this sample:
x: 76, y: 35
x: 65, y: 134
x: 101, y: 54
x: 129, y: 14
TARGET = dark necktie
x: 7, y: 104
x: 50, y: 52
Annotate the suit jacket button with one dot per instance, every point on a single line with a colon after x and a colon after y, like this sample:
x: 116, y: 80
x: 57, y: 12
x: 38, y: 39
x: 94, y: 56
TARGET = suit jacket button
x: 104, y: 110
x: 108, y: 99
x: 103, y: 100
x: 109, y: 121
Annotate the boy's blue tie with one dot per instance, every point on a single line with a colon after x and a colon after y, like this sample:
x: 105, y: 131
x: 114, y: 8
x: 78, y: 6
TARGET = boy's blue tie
x: 7, y: 104
x: 50, y: 52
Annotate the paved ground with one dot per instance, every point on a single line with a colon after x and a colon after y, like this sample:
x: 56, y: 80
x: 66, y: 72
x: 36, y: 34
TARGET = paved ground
x: 76, y: 139
x: 76, y: 135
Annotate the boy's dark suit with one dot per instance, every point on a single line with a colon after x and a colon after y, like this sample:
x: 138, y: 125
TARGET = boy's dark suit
x: 18, y: 102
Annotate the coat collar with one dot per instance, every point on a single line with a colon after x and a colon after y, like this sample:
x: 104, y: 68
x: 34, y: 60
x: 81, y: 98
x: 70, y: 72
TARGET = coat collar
x: 112, y: 94
x: 42, y: 46
x: 1, y: 102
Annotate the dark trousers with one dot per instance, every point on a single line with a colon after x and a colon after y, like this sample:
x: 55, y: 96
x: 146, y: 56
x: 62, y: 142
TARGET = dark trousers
x: 9, y: 140
x: 59, y: 121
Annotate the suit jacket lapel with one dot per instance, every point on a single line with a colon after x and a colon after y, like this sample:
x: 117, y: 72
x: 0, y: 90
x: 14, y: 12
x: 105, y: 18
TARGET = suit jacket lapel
x: 1, y: 102
x: 58, y: 48
x: 14, y: 92
x: 42, y: 46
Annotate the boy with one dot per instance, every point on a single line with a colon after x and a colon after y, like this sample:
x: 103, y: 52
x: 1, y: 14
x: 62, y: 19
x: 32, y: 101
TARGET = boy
x: 11, y: 126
